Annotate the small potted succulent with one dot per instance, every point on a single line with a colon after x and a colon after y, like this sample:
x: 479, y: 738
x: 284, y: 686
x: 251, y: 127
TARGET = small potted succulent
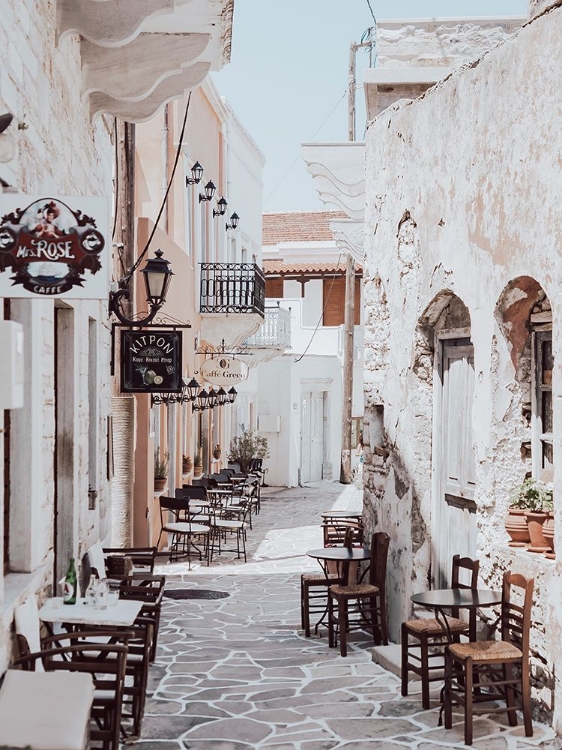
x: 160, y: 470
x: 217, y: 452
x: 186, y: 464
x: 198, y: 464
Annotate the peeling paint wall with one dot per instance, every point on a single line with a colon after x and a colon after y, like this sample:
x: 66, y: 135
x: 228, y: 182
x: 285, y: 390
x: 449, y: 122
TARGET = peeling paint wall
x: 463, y: 227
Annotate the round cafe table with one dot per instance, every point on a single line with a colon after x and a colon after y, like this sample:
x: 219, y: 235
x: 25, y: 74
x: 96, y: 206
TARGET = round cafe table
x: 446, y: 599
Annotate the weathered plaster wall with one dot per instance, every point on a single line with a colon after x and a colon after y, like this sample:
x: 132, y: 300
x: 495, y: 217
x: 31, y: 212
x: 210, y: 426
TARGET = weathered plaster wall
x: 463, y: 190
x: 61, y: 152
x: 446, y: 42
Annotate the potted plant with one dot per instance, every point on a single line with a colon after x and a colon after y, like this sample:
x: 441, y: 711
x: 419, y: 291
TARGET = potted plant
x: 247, y: 446
x: 186, y: 464
x: 160, y: 470
x: 198, y: 464
x: 534, y: 498
x: 217, y: 452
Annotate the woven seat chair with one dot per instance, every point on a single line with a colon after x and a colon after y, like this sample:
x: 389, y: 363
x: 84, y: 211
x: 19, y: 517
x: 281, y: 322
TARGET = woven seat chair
x: 314, y: 586
x: 485, y: 671
x: 105, y: 662
x: 184, y: 535
x: 367, y: 600
x: 425, y: 655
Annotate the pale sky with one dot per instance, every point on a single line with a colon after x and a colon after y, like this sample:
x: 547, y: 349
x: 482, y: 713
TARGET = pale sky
x: 288, y: 75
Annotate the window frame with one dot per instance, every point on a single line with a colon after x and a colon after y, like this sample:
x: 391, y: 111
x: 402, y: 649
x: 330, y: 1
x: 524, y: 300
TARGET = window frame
x: 539, y: 437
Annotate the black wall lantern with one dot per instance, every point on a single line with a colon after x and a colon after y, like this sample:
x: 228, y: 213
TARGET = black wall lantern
x: 209, y: 192
x: 192, y: 390
x: 232, y: 393
x: 222, y: 397
x: 222, y: 204
x: 197, y: 174
x: 234, y: 221
x: 157, y: 276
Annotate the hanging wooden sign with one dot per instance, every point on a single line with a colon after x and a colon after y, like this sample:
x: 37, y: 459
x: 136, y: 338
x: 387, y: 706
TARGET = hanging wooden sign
x: 151, y: 361
x: 224, y: 370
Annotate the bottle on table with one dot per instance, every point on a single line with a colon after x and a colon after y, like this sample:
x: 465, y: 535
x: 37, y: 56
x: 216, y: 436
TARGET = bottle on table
x: 91, y: 592
x: 70, y: 584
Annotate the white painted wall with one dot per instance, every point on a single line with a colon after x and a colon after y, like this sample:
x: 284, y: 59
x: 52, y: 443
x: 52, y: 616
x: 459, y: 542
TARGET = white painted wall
x: 59, y: 152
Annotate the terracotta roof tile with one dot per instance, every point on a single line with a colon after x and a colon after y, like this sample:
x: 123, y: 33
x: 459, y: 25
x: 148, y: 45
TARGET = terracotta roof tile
x: 310, y: 269
x: 299, y: 226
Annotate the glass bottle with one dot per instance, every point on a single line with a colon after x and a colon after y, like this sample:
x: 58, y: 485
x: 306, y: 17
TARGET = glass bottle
x: 70, y: 584
x: 102, y: 589
x: 91, y: 593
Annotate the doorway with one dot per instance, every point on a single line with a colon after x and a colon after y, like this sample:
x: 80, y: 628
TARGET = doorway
x: 455, y: 462
x: 312, y: 436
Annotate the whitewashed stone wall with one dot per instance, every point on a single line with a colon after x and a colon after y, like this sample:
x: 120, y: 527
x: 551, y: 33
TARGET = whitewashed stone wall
x: 540, y: 6
x: 440, y: 42
x: 61, y: 152
x: 463, y: 191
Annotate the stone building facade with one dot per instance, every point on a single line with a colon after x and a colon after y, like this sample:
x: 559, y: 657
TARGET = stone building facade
x: 463, y: 347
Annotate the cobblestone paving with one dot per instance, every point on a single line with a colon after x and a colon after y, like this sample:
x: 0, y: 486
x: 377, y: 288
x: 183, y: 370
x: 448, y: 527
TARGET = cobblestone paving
x: 237, y: 673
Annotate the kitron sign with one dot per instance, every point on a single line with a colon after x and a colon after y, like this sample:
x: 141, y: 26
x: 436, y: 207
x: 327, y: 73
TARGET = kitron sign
x: 151, y: 361
x: 224, y: 370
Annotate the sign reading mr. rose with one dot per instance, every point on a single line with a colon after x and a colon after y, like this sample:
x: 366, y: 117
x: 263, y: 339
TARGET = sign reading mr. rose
x: 53, y: 249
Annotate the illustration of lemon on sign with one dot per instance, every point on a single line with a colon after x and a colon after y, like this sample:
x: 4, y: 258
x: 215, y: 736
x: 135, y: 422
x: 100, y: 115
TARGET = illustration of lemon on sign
x: 158, y: 379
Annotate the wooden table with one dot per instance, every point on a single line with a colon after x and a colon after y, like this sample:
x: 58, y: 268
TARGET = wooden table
x: 45, y: 710
x: 119, y: 615
x: 470, y: 599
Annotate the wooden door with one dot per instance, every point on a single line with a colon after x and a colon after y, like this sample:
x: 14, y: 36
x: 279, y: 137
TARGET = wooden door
x: 312, y: 436
x: 456, y: 522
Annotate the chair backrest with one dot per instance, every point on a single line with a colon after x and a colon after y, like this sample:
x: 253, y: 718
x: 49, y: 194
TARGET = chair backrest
x: 220, y: 477
x: 379, y: 555
x: 516, y: 615
x: 28, y: 629
x: 176, y: 506
x: 235, y: 465
x: 464, y: 563
x: 256, y: 464
x: 201, y: 482
x: 96, y: 558
x: 191, y: 493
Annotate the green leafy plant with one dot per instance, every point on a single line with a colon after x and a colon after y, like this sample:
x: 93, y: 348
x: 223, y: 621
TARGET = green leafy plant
x: 247, y: 446
x: 533, y: 494
x: 160, y: 465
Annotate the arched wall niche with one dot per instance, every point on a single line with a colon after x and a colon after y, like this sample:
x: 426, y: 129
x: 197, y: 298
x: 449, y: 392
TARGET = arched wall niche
x: 513, y: 310
x: 445, y: 312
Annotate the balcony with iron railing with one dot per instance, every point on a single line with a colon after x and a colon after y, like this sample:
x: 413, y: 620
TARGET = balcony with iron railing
x: 275, y: 333
x: 232, y: 288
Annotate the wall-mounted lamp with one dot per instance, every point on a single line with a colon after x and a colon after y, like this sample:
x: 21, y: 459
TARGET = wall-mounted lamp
x: 197, y: 174
x: 222, y: 397
x: 209, y: 192
x: 157, y: 276
x: 200, y: 403
x: 192, y: 390
x: 234, y: 221
x: 232, y: 393
x: 222, y: 204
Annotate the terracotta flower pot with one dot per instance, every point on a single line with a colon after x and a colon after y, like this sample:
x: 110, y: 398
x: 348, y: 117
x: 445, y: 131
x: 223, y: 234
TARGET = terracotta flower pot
x: 516, y: 527
x: 197, y: 471
x: 548, y: 531
x: 535, y: 522
x: 160, y: 483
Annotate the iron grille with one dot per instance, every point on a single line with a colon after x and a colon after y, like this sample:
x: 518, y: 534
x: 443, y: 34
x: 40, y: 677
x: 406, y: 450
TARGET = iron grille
x: 232, y: 288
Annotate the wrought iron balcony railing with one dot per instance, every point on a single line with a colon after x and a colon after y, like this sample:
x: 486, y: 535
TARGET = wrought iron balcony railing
x: 275, y: 331
x: 232, y: 288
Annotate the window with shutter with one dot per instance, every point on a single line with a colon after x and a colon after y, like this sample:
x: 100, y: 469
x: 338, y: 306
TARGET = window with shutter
x: 274, y: 288
x: 334, y: 301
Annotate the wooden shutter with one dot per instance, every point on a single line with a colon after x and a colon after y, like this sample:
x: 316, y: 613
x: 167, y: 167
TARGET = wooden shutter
x: 274, y: 287
x: 334, y: 304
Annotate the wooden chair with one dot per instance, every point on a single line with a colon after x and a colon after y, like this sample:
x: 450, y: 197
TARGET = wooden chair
x: 151, y: 592
x: 368, y: 600
x: 105, y: 662
x: 429, y: 638
x: 314, y: 588
x: 480, y: 671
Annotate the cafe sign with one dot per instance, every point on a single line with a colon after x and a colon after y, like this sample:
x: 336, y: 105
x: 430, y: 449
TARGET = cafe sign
x: 54, y: 246
x: 151, y: 361
x: 224, y: 370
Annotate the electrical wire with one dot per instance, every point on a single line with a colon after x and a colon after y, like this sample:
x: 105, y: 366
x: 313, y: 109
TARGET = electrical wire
x: 164, y: 200
x: 298, y: 359
x: 310, y: 139
x: 371, y: 9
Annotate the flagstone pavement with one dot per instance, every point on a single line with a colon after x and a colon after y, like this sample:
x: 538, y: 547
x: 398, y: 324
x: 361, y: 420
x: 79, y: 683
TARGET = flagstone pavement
x: 237, y: 672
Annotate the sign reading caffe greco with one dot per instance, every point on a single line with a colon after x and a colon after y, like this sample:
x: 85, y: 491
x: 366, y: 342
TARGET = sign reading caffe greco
x: 151, y: 361
x: 53, y: 246
x: 223, y: 370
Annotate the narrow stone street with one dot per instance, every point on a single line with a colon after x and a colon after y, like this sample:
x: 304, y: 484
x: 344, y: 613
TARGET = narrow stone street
x: 235, y: 672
